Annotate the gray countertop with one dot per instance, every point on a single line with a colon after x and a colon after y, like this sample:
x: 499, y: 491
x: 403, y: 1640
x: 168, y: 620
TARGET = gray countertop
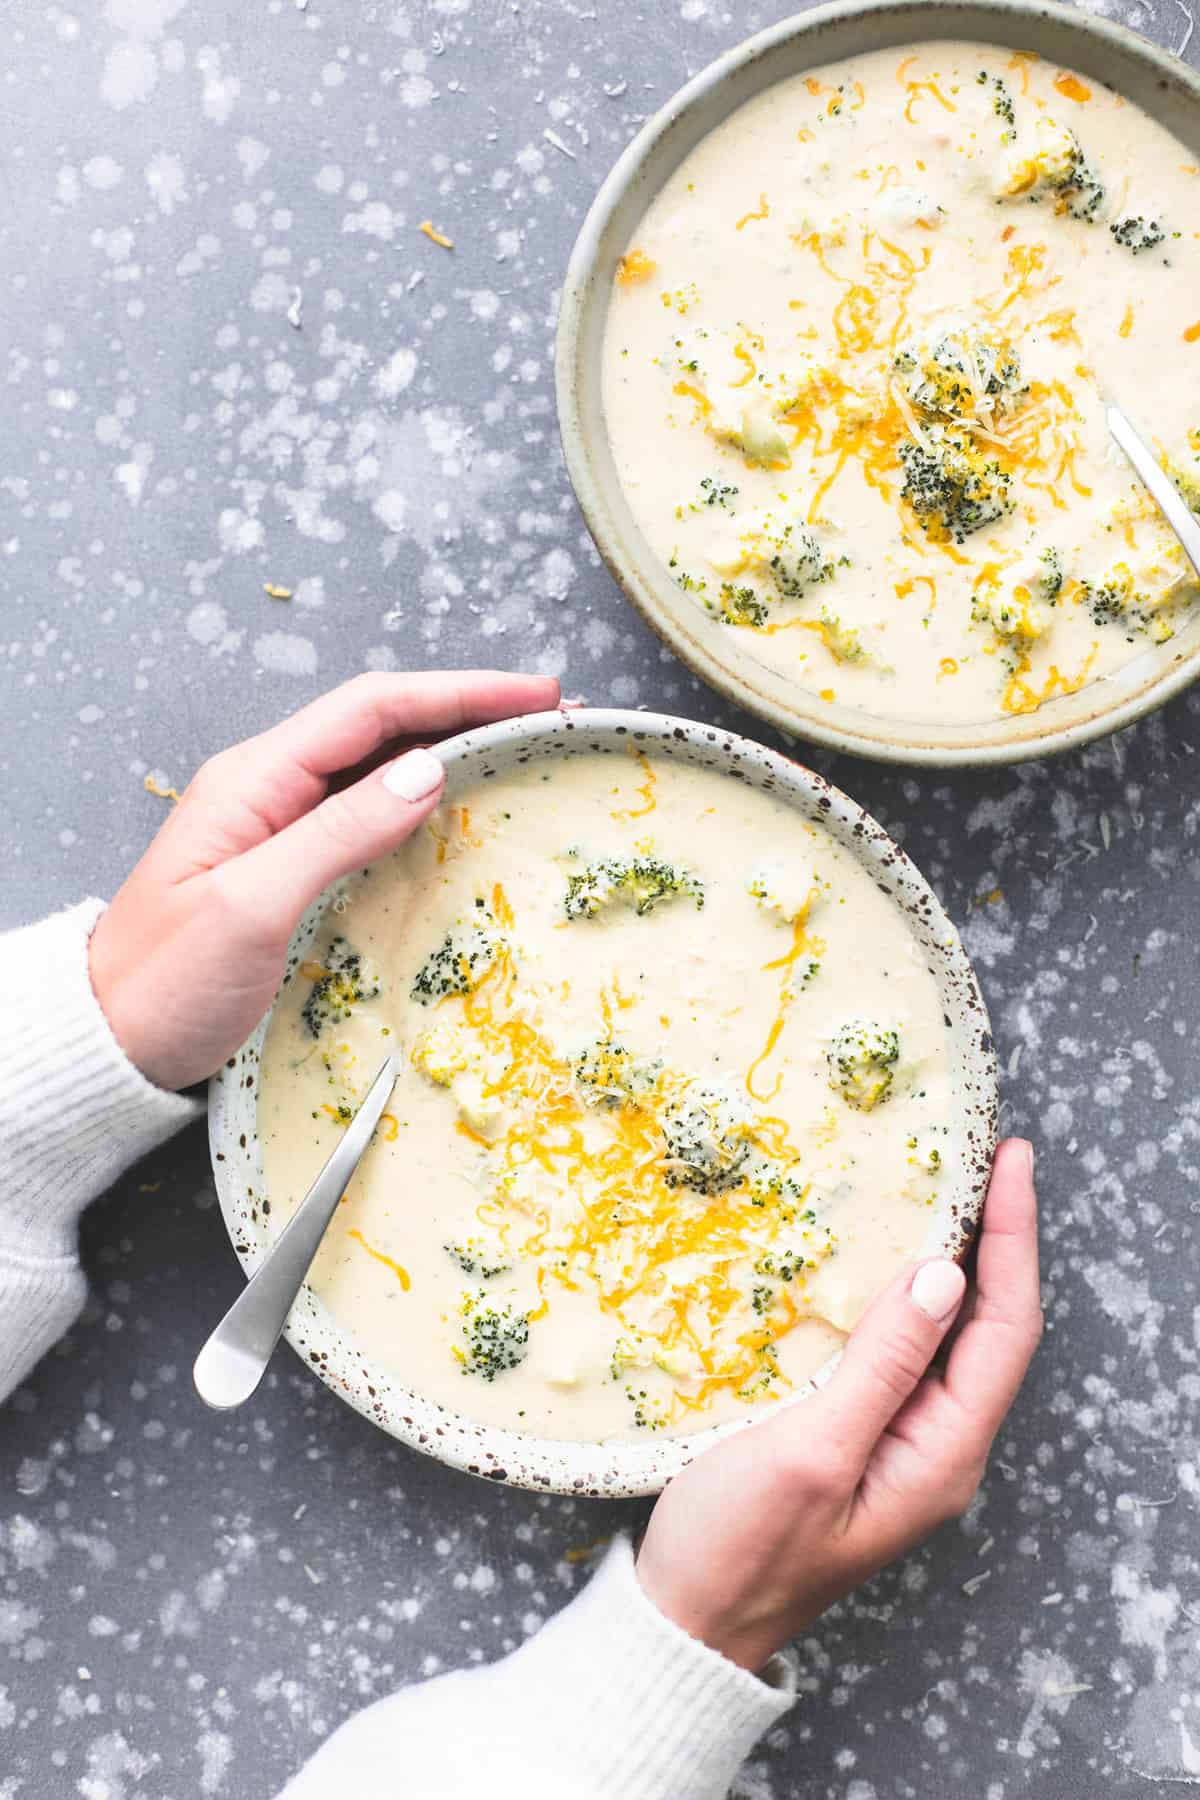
x: 231, y: 359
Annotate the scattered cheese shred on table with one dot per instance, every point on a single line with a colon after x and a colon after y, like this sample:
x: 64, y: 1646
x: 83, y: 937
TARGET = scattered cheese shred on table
x: 161, y: 793
x: 434, y: 236
x: 276, y: 593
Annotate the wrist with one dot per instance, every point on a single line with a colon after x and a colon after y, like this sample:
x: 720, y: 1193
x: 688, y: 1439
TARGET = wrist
x: 115, y: 982
x: 749, y: 1642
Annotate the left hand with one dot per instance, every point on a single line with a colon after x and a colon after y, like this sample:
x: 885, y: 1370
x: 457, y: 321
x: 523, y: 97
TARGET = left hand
x: 187, y: 958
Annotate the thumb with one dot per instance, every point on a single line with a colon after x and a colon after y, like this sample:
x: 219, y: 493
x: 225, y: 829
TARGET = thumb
x: 887, y: 1355
x: 346, y: 831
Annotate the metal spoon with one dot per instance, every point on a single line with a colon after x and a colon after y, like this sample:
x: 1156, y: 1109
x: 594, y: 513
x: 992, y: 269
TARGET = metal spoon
x: 234, y: 1360
x: 1175, y: 510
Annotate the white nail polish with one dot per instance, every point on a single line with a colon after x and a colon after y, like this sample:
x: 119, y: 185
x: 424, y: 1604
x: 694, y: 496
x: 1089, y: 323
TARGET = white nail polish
x: 937, y: 1289
x: 414, y: 776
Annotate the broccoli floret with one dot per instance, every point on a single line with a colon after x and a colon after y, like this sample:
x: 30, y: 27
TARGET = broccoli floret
x: 474, y: 1257
x: 740, y: 605
x: 1188, y: 486
x: 961, y: 375
x: 637, y: 881
x: 1119, y: 601
x: 610, y: 1075
x: 716, y: 493
x: 842, y: 641
x: 782, y: 1193
x: 1137, y: 232
x: 784, y: 1265
x: 796, y: 562
x: 706, y: 1132
x: 1051, y: 581
x: 347, y: 979
x: 1002, y: 104
x: 952, y: 487
x: 862, y: 1059
x: 496, y: 1337
x: 1057, y: 169
x: 461, y: 960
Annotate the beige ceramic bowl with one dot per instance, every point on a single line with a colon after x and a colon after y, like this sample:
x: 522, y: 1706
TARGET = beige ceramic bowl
x: 1156, y: 81
x: 616, y: 1467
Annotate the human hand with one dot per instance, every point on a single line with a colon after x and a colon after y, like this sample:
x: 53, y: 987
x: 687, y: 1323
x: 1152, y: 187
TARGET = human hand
x: 187, y: 958
x: 762, y: 1533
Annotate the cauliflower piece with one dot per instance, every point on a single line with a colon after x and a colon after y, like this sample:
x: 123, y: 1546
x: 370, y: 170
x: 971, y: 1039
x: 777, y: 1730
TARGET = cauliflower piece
x: 442, y: 1052
x: 908, y: 207
x: 862, y: 1060
x: 813, y: 233
x: 478, y: 1108
x: 1021, y: 610
x: 752, y: 428
x: 638, y: 1352
x: 706, y: 1133
x: 788, y: 890
x: 445, y: 1055
x: 924, y: 1162
x: 807, y: 384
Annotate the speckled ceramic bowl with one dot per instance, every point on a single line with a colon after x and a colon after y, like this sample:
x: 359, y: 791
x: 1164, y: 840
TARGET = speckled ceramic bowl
x: 612, y: 1468
x: 1159, y: 83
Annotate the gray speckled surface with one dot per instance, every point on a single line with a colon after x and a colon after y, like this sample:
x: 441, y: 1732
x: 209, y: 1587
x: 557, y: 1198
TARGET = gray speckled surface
x: 186, y: 1603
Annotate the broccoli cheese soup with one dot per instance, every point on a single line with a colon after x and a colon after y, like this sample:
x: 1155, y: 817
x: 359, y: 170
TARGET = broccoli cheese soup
x: 674, y: 1098
x: 855, y: 367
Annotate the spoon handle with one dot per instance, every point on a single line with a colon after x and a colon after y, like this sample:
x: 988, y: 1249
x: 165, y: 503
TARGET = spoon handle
x: 1176, y: 511
x: 233, y: 1361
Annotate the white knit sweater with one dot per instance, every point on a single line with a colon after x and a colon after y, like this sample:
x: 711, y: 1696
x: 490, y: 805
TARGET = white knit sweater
x: 610, y: 1701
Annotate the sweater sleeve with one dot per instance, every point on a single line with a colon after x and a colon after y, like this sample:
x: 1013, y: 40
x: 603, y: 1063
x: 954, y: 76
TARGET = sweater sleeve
x: 610, y: 1701
x: 74, y: 1113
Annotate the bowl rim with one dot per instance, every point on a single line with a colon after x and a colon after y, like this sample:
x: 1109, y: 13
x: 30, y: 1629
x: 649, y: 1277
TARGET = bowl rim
x: 614, y: 1468
x: 640, y: 576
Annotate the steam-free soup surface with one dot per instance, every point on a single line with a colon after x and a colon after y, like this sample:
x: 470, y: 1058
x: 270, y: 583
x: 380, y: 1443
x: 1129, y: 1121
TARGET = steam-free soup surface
x: 673, y: 1101
x: 855, y: 371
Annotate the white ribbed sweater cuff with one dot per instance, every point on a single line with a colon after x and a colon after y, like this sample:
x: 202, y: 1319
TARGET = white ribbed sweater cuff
x: 74, y: 1112
x: 637, y: 1707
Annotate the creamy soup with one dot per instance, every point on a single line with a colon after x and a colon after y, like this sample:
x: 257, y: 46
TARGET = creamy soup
x: 673, y: 1099
x: 855, y: 369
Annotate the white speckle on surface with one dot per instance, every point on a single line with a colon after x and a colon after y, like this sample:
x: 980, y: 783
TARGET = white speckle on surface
x: 252, y: 154
x: 131, y: 65
x: 376, y: 219
x: 284, y: 653
x: 220, y: 90
x: 131, y: 475
x: 166, y: 181
x: 396, y: 373
x: 216, y: 1756
x: 238, y: 531
x: 102, y: 173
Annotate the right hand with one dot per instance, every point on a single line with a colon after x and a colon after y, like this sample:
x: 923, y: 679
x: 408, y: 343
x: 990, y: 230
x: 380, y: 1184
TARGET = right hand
x: 753, y: 1541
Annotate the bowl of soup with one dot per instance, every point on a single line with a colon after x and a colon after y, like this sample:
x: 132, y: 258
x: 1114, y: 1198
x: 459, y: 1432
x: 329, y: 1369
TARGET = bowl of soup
x: 692, y: 1063
x: 834, y: 350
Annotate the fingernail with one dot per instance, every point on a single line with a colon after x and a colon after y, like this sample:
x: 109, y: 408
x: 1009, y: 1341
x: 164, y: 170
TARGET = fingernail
x: 937, y: 1289
x: 1028, y: 1156
x: 413, y: 776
